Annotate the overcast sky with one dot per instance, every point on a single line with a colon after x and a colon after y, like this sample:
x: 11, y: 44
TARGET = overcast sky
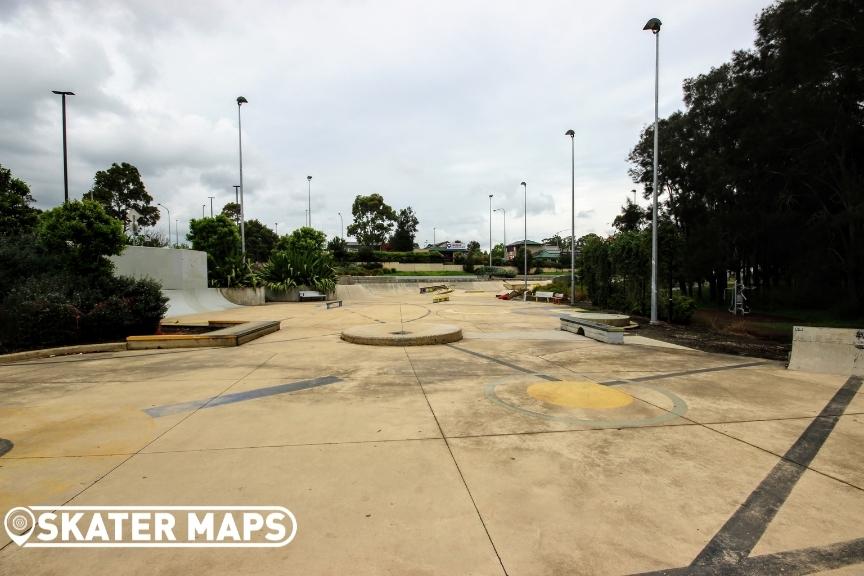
x: 434, y: 105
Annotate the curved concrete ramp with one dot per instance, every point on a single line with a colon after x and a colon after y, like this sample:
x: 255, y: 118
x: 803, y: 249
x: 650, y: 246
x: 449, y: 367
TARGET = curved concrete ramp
x: 195, y: 301
x: 829, y: 350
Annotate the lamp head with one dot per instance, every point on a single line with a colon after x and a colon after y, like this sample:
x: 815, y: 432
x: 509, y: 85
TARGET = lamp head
x: 308, y: 178
x: 523, y: 184
x: 241, y: 100
x: 570, y: 133
x: 63, y: 93
x: 654, y: 25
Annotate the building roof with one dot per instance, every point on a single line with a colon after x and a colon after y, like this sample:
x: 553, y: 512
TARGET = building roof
x: 521, y: 242
x: 548, y: 253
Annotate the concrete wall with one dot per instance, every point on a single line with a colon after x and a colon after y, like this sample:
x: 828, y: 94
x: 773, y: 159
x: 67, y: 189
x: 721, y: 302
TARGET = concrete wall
x: 431, y: 267
x: 175, y: 269
x: 830, y: 350
x: 247, y: 296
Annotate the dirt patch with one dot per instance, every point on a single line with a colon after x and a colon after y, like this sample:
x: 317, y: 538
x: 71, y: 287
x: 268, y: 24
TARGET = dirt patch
x: 760, y: 336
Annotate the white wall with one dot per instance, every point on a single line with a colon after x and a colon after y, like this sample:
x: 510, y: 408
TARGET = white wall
x: 175, y: 269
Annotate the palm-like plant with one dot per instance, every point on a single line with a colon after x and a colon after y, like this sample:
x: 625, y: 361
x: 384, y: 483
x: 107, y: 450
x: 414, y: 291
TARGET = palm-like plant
x: 288, y: 268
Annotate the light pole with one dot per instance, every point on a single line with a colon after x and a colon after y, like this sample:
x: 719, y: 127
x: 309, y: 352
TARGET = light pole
x: 169, y: 219
x: 177, y: 232
x: 490, y: 230
x: 654, y: 25
x: 237, y: 194
x: 572, y: 135
x: 434, y: 243
x: 240, y: 101
x: 277, y: 229
x: 309, y: 180
x: 504, y: 213
x: 63, y: 95
x: 211, y: 205
x: 341, y: 226
x: 203, y: 206
x: 525, y: 243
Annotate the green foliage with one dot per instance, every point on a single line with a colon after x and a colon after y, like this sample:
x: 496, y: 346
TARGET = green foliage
x: 260, y: 241
x: 338, y: 249
x: 519, y: 259
x: 373, y: 220
x: 682, y: 309
x: 147, y: 237
x: 232, y: 211
x: 631, y: 218
x: 219, y: 237
x: 55, y: 309
x: 304, y: 239
x: 289, y: 268
x: 499, y: 254
x: 82, y: 234
x: 494, y: 271
x: 16, y: 214
x: 119, y: 189
x: 406, y: 229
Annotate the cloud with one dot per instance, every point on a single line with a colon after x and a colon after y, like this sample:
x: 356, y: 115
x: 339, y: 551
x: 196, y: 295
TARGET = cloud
x: 432, y: 105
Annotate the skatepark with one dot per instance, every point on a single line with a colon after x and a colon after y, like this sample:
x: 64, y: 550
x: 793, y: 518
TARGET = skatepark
x: 520, y: 449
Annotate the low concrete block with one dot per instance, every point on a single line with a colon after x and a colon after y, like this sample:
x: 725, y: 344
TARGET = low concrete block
x: 828, y: 350
x: 594, y: 330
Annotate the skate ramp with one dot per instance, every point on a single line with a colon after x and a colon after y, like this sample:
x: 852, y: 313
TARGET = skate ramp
x: 828, y: 350
x: 195, y: 301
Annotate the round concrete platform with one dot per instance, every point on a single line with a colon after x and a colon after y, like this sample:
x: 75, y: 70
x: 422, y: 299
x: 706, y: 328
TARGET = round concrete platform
x: 399, y: 335
x: 619, y: 320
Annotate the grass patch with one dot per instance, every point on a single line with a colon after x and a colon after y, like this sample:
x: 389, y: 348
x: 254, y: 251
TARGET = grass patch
x: 428, y: 273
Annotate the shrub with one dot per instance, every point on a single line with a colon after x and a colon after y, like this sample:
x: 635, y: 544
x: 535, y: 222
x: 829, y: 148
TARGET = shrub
x: 682, y: 309
x: 494, y: 271
x: 288, y: 268
x: 83, y: 234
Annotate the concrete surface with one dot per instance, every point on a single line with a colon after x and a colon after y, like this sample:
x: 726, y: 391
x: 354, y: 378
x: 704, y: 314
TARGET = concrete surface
x: 400, y: 335
x: 832, y: 350
x: 174, y: 268
x: 186, y: 302
x: 520, y: 450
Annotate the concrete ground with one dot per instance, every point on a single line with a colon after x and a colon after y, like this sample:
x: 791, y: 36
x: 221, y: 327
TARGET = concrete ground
x: 520, y: 450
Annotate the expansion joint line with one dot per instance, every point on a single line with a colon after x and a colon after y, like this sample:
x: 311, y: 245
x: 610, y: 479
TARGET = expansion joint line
x: 456, y: 463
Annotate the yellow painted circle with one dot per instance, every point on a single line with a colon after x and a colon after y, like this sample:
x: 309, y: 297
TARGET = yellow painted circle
x: 579, y: 394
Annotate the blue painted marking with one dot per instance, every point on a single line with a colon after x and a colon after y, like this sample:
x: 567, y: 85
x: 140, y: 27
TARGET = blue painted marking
x: 168, y: 409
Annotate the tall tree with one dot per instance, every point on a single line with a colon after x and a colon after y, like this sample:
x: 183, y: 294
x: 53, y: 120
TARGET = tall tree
x: 119, y: 189
x: 303, y: 239
x: 406, y: 228
x: 373, y: 220
x: 16, y: 214
x: 232, y: 211
x: 260, y: 241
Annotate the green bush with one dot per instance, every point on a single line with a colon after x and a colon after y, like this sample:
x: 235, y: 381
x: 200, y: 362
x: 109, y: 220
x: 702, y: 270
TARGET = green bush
x: 683, y: 308
x: 287, y: 269
x: 83, y: 234
x: 54, y: 310
x: 494, y: 271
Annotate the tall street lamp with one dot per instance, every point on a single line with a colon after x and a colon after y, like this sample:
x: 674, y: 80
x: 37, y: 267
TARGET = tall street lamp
x: 433, y: 237
x: 211, y: 205
x: 309, y: 180
x: 237, y: 194
x: 654, y: 25
x: 504, y: 213
x: 490, y: 230
x: 240, y: 101
x: 525, y: 243
x: 572, y: 135
x: 203, y: 206
x: 169, y: 219
x: 341, y: 226
x: 65, y: 162
x: 277, y: 229
x: 177, y: 232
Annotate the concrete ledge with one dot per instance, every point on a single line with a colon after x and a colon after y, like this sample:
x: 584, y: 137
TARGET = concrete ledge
x: 247, y: 296
x: 234, y: 335
x: 396, y: 335
x: 594, y: 330
x: 828, y: 350
x: 62, y: 351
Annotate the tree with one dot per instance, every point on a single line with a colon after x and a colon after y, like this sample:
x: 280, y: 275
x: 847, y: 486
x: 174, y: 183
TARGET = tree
x: 260, y: 241
x: 83, y: 234
x: 119, y: 189
x: 406, y: 228
x: 232, y: 211
x: 373, y: 220
x: 338, y: 248
x: 219, y: 237
x: 519, y: 259
x: 16, y: 214
x: 304, y: 239
x: 631, y: 218
x: 499, y: 254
